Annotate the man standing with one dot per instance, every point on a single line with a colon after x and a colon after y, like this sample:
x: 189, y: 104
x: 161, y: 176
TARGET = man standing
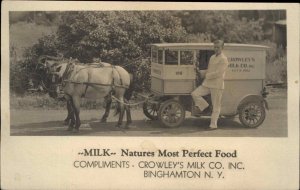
x: 213, y: 84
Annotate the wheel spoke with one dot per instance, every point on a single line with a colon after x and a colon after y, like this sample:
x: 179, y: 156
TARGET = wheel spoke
x: 177, y: 117
x: 252, y: 114
x: 171, y: 113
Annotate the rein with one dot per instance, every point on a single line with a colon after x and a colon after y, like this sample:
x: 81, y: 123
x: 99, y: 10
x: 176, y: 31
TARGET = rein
x: 91, y: 83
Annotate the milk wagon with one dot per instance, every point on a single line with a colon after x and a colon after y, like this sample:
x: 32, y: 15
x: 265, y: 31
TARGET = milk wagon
x: 173, y: 78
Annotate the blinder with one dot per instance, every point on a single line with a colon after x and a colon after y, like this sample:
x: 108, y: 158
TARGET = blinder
x: 55, y: 89
x: 55, y: 78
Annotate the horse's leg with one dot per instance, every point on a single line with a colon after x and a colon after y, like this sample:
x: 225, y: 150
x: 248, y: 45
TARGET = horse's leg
x: 70, y: 112
x: 121, y: 106
x: 76, y: 106
x: 107, y: 110
x: 128, y: 114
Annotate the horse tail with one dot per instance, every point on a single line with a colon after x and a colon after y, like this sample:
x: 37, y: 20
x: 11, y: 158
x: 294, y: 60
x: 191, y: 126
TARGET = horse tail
x: 130, y: 89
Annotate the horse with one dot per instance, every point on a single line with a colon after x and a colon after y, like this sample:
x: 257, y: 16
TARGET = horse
x: 92, y: 81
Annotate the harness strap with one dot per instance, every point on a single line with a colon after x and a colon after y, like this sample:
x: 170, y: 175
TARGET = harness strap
x: 86, y: 86
x: 113, y: 78
x: 67, y: 71
x: 91, y: 83
x: 121, y: 82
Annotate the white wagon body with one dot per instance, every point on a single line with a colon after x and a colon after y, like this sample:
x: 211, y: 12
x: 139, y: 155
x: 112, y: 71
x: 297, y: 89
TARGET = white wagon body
x: 245, y: 74
x: 173, y: 75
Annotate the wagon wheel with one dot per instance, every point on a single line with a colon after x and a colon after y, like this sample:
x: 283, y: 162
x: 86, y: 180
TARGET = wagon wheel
x: 150, y: 110
x: 171, y: 113
x: 252, y: 114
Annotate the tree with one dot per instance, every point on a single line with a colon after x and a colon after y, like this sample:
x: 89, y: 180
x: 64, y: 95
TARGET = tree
x: 224, y: 25
x: 117, y: 37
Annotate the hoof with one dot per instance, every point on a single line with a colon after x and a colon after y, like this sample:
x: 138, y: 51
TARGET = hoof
x: 75, y: 130
x: 103, y: 120
x: 66, y: 122
x: 126, y: 127
x: 118, y: 126
x: 211, y: 128
x: 70, y: 129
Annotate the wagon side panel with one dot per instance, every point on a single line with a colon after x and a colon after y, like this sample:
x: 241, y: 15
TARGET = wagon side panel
x: 235, y: 91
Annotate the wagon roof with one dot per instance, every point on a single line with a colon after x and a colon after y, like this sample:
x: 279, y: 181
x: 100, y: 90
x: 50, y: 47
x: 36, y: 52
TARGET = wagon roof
x: 207, y: 45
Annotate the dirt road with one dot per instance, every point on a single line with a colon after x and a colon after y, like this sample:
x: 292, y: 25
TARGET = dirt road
x: 50, y: 123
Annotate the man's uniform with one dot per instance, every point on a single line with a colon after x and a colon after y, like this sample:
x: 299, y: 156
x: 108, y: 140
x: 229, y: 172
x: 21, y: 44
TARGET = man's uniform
x: 213, y: 84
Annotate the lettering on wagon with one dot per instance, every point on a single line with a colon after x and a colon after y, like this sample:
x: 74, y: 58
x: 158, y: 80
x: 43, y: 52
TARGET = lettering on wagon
x: 241, y: 64
x: 241, y: 59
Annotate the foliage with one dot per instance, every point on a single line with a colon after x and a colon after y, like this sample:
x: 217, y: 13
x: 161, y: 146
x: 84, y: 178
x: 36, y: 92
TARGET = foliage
x: 276, y: 63
x: 224, y: 25
x: 277, y: 71
x: 120, y: 38
x: 123, y: 37
x: 116, y: 37
x: 22, y: 73
x: 18, y: 80
x: 273, y: 52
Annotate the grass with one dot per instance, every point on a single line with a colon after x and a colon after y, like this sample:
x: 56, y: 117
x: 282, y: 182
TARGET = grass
x: 43, y: 101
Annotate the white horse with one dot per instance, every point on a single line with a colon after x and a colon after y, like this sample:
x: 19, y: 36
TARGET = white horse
x: 93, y: 81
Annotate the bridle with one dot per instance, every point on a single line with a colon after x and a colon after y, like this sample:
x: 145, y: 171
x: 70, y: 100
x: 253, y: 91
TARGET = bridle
x: 58, y: 83
x: 68, y: 71
x: 51, y: 77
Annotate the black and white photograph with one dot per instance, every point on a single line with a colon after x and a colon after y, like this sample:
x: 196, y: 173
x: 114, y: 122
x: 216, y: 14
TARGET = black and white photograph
x: 84, y: 72
x: 177, y: 95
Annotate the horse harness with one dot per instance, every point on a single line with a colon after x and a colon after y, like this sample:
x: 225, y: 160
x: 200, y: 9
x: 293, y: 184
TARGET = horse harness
x: 70, y: 69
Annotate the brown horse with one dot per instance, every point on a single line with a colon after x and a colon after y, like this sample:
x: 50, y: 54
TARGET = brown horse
x: 93, y: 81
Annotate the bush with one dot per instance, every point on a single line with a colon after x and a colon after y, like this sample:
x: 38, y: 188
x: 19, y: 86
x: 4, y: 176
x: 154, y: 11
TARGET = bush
x: 224, y: 25
x: 18, y: 79
x: 277, y: 71
x: 117, y: 37
x: 276, y: 63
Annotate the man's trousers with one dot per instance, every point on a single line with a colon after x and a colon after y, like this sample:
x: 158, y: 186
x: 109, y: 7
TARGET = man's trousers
x: 216, y: 97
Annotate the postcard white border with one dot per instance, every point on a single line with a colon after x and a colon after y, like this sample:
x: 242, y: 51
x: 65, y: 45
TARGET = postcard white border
x: 44, y: 162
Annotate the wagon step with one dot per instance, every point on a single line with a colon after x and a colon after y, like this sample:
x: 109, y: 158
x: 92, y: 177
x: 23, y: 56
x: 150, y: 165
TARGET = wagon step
x: 197, y: 112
